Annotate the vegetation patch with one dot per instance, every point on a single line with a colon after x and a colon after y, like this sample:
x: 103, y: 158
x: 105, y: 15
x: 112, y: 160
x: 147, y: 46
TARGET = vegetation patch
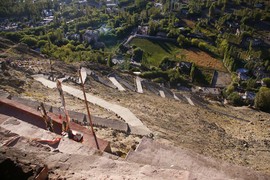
x: 203, y: 76
x: 156, y: 50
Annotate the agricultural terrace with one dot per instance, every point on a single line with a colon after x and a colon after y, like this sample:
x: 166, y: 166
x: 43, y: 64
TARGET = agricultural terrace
x: 156, y: 50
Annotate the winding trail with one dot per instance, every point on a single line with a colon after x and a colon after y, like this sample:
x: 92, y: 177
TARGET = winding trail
x: 136, y: 126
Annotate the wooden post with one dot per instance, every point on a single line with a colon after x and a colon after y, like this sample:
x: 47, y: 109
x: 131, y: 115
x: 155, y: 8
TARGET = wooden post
x: 88, y: 111
x: 59, y: 87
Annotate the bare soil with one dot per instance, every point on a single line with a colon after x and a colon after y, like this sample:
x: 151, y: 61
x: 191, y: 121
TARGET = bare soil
x: 203, y: 59
x: 238, y: 136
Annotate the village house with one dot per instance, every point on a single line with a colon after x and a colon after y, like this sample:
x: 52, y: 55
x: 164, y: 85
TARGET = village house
x: 250, y: 96
x: 158, y: 5
x: 48, y: 12
x: 242, y: 74
x: 185, y: 67
x: 111, y: 3
x: 90, y: 36
x: 143, y: 30
x: 75, y: 37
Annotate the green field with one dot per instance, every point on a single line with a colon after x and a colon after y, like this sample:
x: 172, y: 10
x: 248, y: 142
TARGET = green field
x: 156, y: 50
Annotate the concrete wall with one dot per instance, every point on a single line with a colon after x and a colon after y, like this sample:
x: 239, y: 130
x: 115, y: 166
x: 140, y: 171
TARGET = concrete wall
x: 77, y: 117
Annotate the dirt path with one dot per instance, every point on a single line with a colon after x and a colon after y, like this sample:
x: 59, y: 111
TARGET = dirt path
x: 125, y: 113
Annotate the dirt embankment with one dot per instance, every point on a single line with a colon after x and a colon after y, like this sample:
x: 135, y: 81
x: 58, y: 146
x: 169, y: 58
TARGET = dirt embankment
x: 215, y: 131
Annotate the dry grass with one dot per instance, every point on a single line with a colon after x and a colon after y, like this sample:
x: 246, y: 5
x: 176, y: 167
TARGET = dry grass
x: 203, y: 59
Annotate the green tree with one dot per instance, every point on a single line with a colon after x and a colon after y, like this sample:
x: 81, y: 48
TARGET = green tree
x: 140, y: 3
x: 183, y: 41
x: 251, y: 84
x: 137, y: 54
x: 14, y: 36
x: 194, y: 6
x: 175, y: 77
x: 30, y: 41
x: 223, y: 47
x: 166, y: 63
x: 153, y: 28
x: 266, y: 81
x: 109, y: 61
x: 262, y: 100
x: 211, y: 10
x: 41, y: 43
x: 192, y: 71
x: 235, y: 99
x: 229, y: 90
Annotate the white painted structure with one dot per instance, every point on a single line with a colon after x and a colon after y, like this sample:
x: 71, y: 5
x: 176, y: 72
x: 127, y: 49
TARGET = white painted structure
x: 139, y: 85
x: 162, y: 93
x: 189, y: 100
x: 117, y: 84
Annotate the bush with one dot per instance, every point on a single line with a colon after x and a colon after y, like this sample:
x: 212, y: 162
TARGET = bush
x: 159, y: 80
x: 266, y: 81
x: 155, y: 74
x: 41, y: 43
x: 138, y: 53
x: 229, y: 90
x: 183, y: 41
x: 109, y: 61
x: 166, y: 63
x: 30, y: 41
x: 80, y: 47
x: 235, y: 99
x: 175, y: 77
x: 14, y: 36
x: 195, y: 42
x: 262, y: 100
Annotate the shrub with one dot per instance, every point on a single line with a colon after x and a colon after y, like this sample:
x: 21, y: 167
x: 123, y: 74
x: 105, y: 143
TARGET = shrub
x: 80, y: 47
x: 155, y: 74
x: 266, y: 81
x: 175, y: 77
x: 41, y: 43
x: 30, y: 41
x: 159, y: 80
x: 166, y: 63
x: 235, y: 99
x: 138, y: 53
x: 195, y: 42
x: 262, y: 100
x: 14, y: 36
x: 183, y: 41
